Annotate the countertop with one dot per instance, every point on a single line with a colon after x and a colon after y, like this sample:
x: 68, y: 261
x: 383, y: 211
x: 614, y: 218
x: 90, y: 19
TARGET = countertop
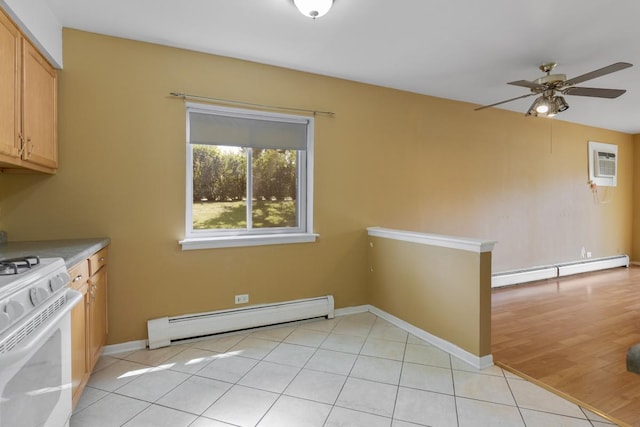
x: 72, y: 250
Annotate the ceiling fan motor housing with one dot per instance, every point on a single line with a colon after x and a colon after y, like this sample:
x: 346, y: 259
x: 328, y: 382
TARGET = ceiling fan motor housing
x: 551, y: 79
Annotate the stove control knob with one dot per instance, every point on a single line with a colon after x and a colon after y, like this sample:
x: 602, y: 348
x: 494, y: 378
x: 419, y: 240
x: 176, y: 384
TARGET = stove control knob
x: 38, y: 295
x: 59, y: 281
x: 14, y: 310
x: 4, y: 321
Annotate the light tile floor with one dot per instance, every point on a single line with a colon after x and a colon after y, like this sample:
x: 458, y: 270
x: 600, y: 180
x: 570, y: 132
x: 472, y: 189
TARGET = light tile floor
x: 355, y: 370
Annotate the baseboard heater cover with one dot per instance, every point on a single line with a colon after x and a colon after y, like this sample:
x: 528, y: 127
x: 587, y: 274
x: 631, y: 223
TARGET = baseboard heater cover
x: 164, y: 330
x: 595, y: 264
x: 558, y: 270
x: 521, y: 276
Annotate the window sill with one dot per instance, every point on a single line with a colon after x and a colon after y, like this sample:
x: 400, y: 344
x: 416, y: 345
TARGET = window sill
x: 240, y: 241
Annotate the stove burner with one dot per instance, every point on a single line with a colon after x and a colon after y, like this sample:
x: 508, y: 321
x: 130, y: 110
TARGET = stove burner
x: 18, y: 265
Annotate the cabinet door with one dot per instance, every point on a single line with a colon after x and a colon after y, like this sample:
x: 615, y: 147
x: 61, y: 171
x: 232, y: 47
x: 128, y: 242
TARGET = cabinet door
x: 39, y: 109
x: 98, y: 313
x: 80, y: 371
x: 10, y: 87
x: 79, y: 356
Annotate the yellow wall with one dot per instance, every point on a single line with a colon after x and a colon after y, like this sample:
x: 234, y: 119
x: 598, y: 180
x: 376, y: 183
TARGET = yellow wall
x: 443, y: 291
x: 387, y: 158
x: 635, y: 255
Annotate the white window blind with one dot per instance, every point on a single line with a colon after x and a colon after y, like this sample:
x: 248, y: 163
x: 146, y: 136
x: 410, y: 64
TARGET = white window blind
x: 246, y: 131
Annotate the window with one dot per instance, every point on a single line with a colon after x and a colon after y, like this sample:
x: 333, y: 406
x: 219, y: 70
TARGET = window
x: 249, y: 177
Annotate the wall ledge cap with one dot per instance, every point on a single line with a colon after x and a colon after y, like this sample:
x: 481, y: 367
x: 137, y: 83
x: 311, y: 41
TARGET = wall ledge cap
x: 453, y: 242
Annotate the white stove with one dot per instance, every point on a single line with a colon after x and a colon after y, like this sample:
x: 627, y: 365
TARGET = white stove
x: 25, y: 284
x: 35, y: 342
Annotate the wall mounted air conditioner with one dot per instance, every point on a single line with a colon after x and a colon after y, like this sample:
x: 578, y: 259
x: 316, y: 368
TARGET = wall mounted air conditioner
x: 603, y: 164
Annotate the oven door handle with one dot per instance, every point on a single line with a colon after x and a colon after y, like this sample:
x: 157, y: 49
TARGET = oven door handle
x: 22, y: 349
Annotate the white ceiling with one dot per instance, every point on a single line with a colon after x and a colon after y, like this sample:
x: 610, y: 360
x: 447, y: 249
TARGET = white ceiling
x: 465, y: 50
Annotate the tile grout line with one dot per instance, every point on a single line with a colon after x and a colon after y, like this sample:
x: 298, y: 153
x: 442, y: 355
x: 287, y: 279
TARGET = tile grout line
x: 151, y: 403
x: 348, y: 374
x: 333, y: 406
x: 301, y: 368
x: 262, y: 360
x: 227, y: 391
x: 297, y: 374
x: 455, y: 396
x: 114, y: 392
x: 395, y: 401
x: 586, y: 418
x: 504, y: 375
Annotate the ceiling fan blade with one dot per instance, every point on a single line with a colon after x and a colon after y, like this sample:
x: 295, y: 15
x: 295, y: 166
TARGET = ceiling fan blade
x: 526, y: 83
x: 597, y: 73
x: 594, y: 92
x: 503, y: 102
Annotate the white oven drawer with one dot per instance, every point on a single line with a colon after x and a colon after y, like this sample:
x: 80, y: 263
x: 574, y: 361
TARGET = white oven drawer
x: 35, y: 371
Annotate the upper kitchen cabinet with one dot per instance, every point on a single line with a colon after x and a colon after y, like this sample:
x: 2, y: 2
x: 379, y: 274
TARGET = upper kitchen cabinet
x: 28, y: 116
x: 38, y: 109
x: 10, y: 59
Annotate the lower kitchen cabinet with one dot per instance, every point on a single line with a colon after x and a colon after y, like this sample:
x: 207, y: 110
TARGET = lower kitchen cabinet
x: 88, y: 319
x: 98, y: 312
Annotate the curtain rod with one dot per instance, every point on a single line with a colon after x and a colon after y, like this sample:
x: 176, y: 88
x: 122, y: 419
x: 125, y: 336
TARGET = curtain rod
x: 228, y: 101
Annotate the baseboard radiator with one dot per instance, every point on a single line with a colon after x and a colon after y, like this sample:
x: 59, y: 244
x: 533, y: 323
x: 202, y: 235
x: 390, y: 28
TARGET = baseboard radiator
x: 166, y: 330
x: 515, y: 277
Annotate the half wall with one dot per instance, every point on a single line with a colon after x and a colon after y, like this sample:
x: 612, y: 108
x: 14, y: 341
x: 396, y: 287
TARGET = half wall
x: 440, y: 284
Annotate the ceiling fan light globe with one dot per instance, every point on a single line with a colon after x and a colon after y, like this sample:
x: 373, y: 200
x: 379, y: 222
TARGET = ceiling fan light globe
x: 313, y: 8
x: 540, y: 106
x: 544, y: 106
x: 560, y: 104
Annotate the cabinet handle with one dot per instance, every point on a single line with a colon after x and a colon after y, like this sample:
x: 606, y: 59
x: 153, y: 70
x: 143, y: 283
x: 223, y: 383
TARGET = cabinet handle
x: 29, y: 147
x: 101, y: 259
x: 78, y: 277
x: 21, y: 149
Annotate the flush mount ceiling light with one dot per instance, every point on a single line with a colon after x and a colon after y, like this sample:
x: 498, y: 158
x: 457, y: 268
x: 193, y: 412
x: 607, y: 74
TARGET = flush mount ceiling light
x: 313, y: 8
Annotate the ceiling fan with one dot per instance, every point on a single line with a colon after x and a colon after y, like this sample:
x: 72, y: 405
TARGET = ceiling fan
x: 552, y: 86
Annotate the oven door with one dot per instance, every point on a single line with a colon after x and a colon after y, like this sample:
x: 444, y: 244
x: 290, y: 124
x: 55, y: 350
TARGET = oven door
x: 35, y: 375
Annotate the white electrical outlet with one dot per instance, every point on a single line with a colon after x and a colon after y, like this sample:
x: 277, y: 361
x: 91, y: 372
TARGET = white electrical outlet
x: 588, y: 254
x: 242, y: 299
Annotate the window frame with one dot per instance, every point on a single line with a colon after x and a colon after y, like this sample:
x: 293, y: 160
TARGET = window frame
x: 216, y: 238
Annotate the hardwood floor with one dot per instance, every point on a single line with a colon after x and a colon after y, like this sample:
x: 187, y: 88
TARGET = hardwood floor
x: 572, y: 335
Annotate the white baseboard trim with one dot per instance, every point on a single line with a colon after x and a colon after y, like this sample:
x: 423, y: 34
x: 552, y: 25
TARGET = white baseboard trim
x: 469, y: 358
x: 108, y: 350
x: 351, y: 310
x: 473, y: 360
